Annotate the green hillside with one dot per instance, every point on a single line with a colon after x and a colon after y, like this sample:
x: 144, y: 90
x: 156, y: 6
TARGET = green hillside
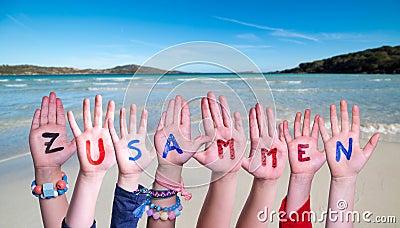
x: 383, y: 60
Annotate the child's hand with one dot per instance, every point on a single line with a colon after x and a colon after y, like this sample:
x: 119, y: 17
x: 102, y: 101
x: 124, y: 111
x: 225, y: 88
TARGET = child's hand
x: 350, y: 164
x: 304, y: 156
x: 131, y: 163
x: 48, y: 136
x: 220, y: 128
x: 95, y: 149
x: 268, y: 153
x: 176, y: 122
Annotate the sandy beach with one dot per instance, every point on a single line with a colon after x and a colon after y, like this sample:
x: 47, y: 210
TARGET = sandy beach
x: 377, y: 191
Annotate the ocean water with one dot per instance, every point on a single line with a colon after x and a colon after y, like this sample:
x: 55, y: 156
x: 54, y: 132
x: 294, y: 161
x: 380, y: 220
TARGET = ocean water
x: 378, y: 97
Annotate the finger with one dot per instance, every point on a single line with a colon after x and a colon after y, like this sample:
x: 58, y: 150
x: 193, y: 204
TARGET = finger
x: 72, y: 123
x: 371, y: 145
x: 286, y: 132
x: 315, y: 128
x: 162, y: 120
x: 246, y: 164
x: 281, y: 135
x: 44, y: 111
x: 153, y: 153
x: 297, y: 125
x: 322, y: 129
x: 35, y: 120
x: 260, y: 120
x: 344, y: 115
x: 60, y: 112
x: 52, y: 108
x: 169, y: 117
x: 185, y: 114
x: 355, y: 125
x: 122, y: 122
x: 271, y: 122
x: 214, y: 109
x: 98, y: 111
x: 226, y: 112
x: 87, y: 121
x: 143, y: 122
x: 132, y: 119
x: 177, y: 109
x: 306, y: 123
x: 109, y: 113
x: 334, y: 121
x: 206, y: 116
x: 111, y: 129
x: 254, y: 132
x: 238, y: 122
x: 71, y: 148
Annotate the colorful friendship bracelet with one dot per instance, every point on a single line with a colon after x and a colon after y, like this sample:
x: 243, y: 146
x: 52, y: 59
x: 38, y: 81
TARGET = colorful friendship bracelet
x: 48, y: 191
x: 169, y: 184
x: 156, y: 194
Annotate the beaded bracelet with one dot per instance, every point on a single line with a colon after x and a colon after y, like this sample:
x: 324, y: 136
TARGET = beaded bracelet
x: 156, y: 194
x: 164, y: 213
x: 47, y: 190
x: 158, y: 212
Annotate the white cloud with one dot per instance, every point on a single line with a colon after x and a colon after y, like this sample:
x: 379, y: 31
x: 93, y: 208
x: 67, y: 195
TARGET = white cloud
x: 292, y: 41
x: 249, y: 37
x: 275, y: 31
x: 246, y: 46
x: 16, y: 21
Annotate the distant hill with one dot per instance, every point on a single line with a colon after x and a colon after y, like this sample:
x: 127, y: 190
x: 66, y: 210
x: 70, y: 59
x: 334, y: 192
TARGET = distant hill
x: 383, y: 60
x: 35, y: 70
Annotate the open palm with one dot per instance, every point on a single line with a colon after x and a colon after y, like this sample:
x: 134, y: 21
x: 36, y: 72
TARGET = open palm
x: 262, y: 137
x: 344, y: 167
x: 311, y: 160
x: 220, y: 128
x: 176, y: 122
x: 95, y: 148
x: 50, y: 120
x: 131, y: 161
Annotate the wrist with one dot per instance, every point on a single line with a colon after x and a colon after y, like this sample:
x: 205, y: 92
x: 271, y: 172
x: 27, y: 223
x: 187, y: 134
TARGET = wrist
x: 264, y: 183
x: 91, y: 177
x: 220, y: 178
x: 344, y: 180
x: 301, y: 178
x: 47, y: 174
x: 171, y: 171
x: 128, y: 182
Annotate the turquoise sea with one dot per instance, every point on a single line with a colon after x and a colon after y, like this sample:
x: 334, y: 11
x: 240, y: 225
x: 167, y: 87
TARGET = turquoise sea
x: 378, y: 97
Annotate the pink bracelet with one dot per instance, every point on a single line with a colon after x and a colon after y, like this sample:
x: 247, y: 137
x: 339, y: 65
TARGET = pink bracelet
x: 167, y: 183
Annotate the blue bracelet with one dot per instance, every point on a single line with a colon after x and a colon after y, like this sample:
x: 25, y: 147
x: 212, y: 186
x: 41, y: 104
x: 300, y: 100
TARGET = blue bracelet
x: 48, y: 190
x: 157, y: 212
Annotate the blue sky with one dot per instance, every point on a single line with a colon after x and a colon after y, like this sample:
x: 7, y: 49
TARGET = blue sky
x: 274, y: 34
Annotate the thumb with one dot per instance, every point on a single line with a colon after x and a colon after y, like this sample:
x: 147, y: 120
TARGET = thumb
x: 246, y: 164
x: 371, y: 145
x: 71, y: 148
x: 200, y: 156
x: 200, y: 140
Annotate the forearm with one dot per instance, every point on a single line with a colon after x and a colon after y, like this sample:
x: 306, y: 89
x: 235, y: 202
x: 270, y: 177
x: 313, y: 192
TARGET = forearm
x: 261, y: 198
x: 173, y: 173
x: 341, y: 201
x: 53, y: 210
x: 218, y: 205
x: 83, y: 202
x: 298, y: 191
